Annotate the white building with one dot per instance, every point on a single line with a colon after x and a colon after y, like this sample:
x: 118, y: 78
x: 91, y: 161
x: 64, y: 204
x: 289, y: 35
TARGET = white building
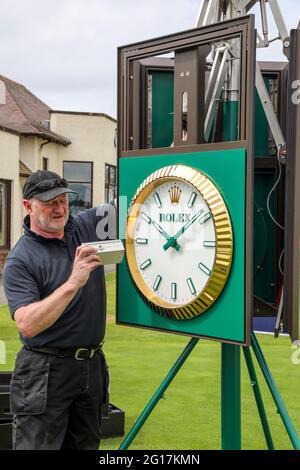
x: 79, y: 146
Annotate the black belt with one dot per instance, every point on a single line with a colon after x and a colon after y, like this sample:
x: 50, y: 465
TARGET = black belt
x: 80, y: 354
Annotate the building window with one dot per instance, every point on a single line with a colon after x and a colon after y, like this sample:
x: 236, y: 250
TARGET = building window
x: 4, y: 214
x: 110, y: 182
x: 80, y: 177
x: 45, y: 163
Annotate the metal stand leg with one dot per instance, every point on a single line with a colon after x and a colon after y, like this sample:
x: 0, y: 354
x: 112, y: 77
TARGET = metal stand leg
x: 275, y: 394
x: 158, y: 394
x: 258, y: 398
x: 231, y: 397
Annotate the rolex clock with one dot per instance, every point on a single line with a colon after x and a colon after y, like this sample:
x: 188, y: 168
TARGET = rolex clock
x: 179, y: 242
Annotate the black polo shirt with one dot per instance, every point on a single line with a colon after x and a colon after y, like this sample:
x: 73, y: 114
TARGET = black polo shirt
x: 36, y: 266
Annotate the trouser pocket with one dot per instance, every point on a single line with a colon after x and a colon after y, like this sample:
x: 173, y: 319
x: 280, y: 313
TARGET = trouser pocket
x: 28, y: 390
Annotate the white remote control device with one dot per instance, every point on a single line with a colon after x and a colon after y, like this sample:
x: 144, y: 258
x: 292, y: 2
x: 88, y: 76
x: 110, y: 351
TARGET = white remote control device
x: 109, y: 251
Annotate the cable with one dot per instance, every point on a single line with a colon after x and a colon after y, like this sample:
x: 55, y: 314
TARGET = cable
x: 273, y: 189
x: 269, y: 210
x: 280, y: 261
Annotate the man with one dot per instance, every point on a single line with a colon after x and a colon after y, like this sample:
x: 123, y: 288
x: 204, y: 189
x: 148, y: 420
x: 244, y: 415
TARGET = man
x: 57, y: 297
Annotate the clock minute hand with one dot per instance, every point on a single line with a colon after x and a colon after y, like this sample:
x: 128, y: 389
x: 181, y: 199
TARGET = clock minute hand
x: 183, y: 229
x: 162, y: 232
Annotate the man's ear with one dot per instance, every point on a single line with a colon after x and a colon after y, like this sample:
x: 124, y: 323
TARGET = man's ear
x: 27, y: 205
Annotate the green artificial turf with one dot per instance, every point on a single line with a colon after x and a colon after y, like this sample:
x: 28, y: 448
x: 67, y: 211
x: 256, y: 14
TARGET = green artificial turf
x: 188, y: 417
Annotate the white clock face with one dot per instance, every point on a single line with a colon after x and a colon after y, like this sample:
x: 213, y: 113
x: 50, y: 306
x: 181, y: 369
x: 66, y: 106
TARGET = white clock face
x: 175, y: 242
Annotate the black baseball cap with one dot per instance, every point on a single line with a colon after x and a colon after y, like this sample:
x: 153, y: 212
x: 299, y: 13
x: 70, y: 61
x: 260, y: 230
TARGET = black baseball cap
x: 45, y: 185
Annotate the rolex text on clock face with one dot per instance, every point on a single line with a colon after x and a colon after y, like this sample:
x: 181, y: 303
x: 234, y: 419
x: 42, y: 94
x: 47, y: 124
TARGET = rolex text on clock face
x: 175, y: 242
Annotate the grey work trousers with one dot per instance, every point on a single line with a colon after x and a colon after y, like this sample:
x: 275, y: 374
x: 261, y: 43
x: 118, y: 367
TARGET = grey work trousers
x: 57, y: 402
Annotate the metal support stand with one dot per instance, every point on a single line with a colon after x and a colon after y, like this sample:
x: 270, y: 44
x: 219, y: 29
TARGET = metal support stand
x: 214, y: 88
x: 275, y: 394
x: 158, y: 394
x: 212, y: 11
x: 258, y: 398
x: 231, y: 396
x: 279, y: 316
x: 269, y: 110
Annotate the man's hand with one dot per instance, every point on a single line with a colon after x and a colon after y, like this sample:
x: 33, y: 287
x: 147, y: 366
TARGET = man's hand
x: 86, y: 260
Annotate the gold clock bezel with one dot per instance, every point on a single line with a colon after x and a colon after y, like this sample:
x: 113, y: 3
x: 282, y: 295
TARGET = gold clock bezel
x: 224, y: 241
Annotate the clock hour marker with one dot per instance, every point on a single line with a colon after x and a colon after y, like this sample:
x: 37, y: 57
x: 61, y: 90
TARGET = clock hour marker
x: 208, y: 243
x: 192, y: 199
x: 206, y: 217
x: 173, y: 290
x: 145, y: 264
x: 146, y: 218
x: 141, y: 241
x: 157, y: 200
x: 157, y: 282
x: 191, y: 286
x: 204, y: 269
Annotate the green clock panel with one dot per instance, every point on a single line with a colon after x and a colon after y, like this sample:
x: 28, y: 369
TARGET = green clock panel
x: 225, y: 319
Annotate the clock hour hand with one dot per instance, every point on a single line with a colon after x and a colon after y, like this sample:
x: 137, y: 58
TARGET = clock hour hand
x: 183, y: 229
x: 161, y: 231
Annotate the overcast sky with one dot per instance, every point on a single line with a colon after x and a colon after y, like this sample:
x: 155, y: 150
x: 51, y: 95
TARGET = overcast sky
x: 65, y: 51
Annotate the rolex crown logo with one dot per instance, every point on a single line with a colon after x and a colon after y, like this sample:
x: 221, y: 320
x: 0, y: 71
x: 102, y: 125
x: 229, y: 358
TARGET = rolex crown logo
x: 174, y: 194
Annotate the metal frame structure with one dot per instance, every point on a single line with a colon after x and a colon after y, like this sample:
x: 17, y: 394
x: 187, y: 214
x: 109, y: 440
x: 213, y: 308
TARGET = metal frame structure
x: 292, y: 212
x: 223, y: 76
x: 130, y: 60
x: 221, y: 10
